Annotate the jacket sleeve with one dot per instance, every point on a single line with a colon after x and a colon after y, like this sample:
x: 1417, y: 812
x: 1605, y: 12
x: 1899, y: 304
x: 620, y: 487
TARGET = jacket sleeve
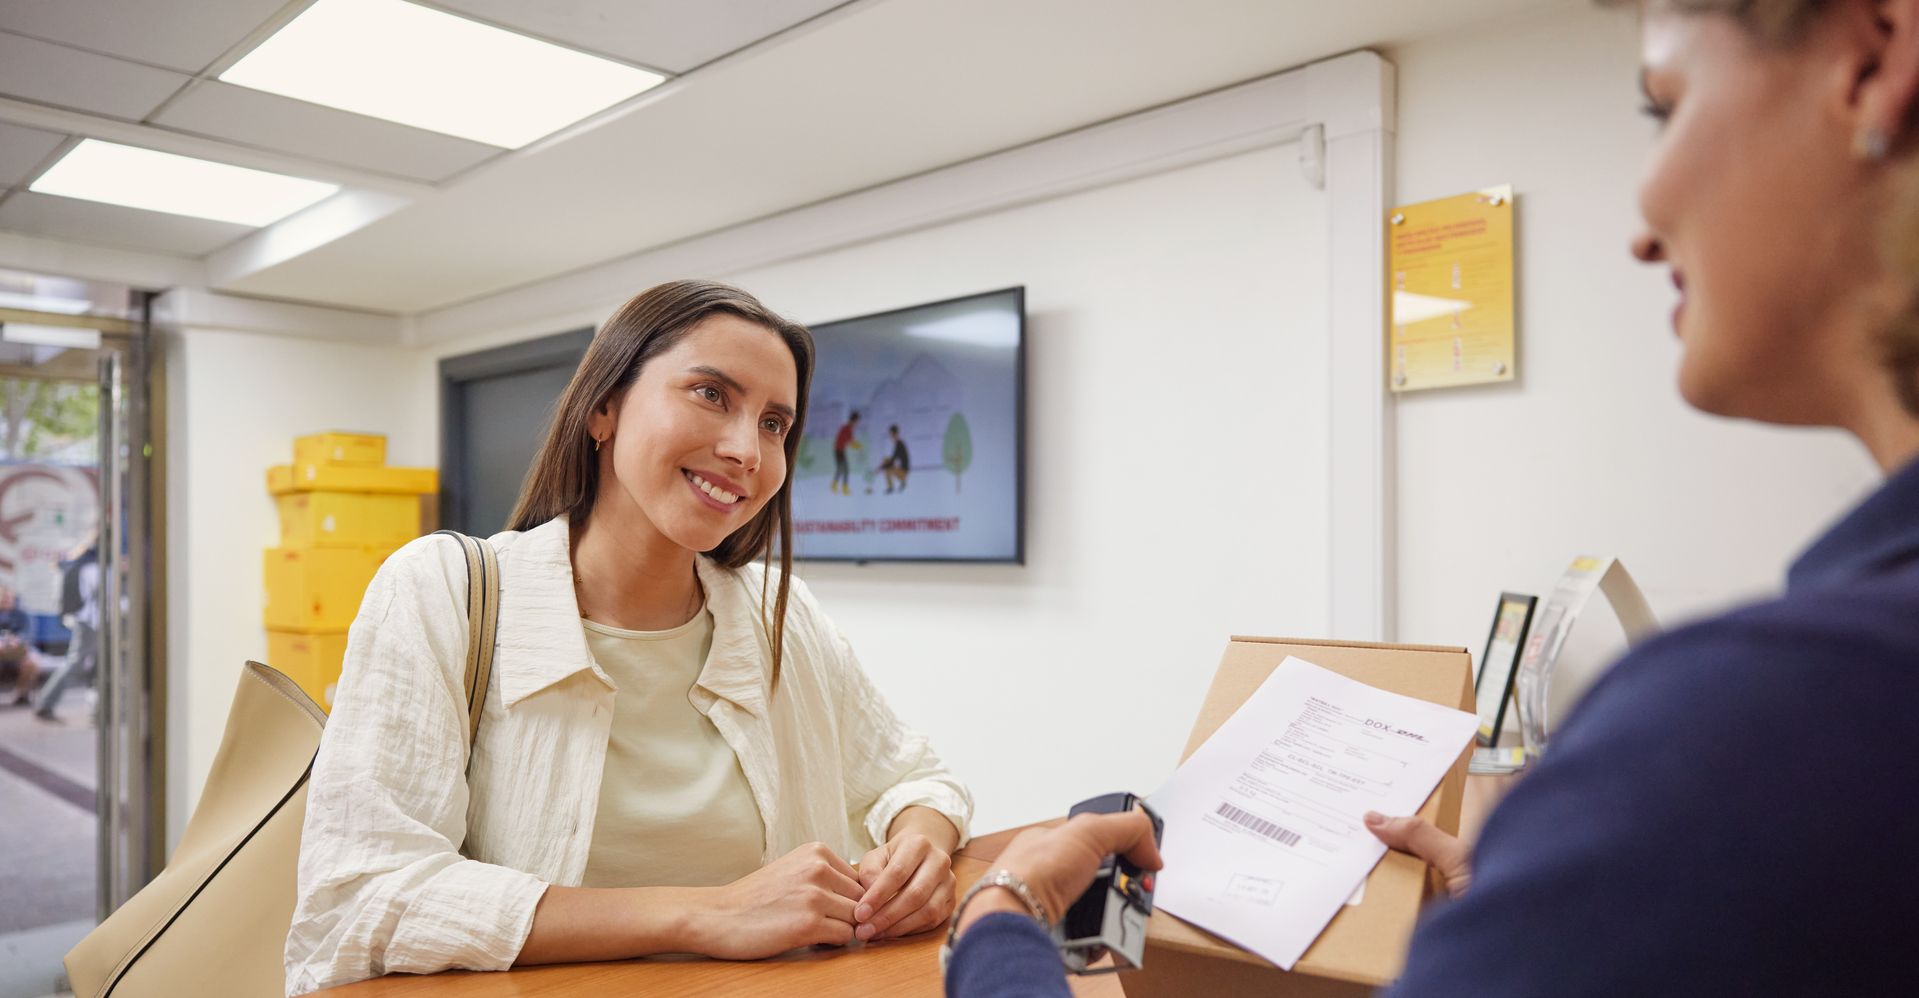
x: 889, y: 766
x: 1006, y: 956
x: 382, y: 887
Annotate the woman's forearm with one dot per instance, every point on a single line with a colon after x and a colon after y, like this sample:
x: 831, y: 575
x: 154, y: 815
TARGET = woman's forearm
x: 584, y: 924
x: 937, y: 828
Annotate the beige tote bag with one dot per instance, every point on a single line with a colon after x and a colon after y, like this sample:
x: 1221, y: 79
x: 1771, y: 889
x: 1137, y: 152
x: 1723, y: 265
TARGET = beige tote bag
x: 215, y: 921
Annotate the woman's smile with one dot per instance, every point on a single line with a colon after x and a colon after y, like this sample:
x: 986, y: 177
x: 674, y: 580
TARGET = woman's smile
x: 715, y: 494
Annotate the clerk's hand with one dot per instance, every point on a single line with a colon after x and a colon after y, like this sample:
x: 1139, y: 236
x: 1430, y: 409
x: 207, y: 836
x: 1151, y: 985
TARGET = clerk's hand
x: 1413, y: 834
x: 908, y: 885
x: 804, y: 898
x: 1059, y: 863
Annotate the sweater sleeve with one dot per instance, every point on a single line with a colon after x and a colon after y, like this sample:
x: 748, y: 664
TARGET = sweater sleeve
x: 1714, y: 818
x: 382, y: 887
x: 1005, y: 955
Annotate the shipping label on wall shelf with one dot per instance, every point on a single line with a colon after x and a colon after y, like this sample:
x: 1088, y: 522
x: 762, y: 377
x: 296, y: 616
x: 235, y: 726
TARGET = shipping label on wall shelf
x: 1450, y: 269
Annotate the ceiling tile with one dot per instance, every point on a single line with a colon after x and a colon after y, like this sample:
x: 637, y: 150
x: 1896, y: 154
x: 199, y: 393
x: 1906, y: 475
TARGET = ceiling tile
x: 671, y: 35
x: 112, y: 225
x: 22, y: 150
x: 270, y: 121
x: 54, y: 74
x: 181, y: 35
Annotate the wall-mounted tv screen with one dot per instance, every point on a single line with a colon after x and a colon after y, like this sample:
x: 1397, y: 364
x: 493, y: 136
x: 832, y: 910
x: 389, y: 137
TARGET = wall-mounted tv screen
x: 913, y: 440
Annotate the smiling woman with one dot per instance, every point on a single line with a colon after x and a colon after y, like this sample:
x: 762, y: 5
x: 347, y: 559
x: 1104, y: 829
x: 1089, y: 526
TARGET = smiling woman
x: 679, y: 751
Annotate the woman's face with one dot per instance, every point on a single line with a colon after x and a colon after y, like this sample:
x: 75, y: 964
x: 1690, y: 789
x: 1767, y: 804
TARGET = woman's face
x: 1756, y: 200
x: 697, y: 443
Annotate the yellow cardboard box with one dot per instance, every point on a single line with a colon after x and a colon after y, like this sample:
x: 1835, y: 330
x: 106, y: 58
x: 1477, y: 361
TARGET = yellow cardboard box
x: 317, y: 589
x: 1364, y: 946
x: 310, y: 476
x: 347, y: 519
x: 312, y: 660
x: 340, y: 448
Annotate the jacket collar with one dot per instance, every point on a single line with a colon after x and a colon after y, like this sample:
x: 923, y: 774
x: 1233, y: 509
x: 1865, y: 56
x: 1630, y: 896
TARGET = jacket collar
x: 541, y: 641
x: 736, y: 669
x: 1879, y: 535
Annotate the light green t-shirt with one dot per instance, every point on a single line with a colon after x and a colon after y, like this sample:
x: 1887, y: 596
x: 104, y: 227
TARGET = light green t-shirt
x: 675, y: 809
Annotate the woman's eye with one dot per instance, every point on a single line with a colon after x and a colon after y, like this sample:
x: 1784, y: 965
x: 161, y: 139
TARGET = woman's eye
x: 773, y: 425
x: 710, y: 393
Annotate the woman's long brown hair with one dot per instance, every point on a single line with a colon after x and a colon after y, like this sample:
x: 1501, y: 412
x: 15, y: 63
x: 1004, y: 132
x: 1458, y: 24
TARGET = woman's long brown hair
x: 565, y: 476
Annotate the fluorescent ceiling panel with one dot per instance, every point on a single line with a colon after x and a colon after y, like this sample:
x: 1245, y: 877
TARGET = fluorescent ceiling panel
x: 178, y: 185
x: 422, y: 67
x: 42, y: 303
x: 50, y: 336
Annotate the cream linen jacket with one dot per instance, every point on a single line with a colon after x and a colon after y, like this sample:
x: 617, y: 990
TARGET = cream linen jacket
x: 414, y: 859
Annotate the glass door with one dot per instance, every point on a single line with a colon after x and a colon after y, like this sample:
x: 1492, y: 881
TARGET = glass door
x: 82, y: 681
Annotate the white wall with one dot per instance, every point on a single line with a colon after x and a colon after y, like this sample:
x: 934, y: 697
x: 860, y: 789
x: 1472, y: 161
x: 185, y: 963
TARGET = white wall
x: 1175, y: 440
x: 235, y: 401
x: 1591, y: 451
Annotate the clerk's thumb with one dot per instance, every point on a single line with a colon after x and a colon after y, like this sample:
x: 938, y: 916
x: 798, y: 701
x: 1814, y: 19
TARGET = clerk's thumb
x: 1420, y: 837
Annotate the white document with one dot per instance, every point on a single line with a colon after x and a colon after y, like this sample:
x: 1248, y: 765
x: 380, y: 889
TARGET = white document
x: 1264, y: 837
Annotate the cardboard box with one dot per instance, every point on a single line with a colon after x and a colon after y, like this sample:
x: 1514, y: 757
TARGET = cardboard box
x: 283, y: 479
x: 317, y: 589
x: 312, y: 660
x: 340, y: 448
x: 347, y: 519
x: 1365, y: 944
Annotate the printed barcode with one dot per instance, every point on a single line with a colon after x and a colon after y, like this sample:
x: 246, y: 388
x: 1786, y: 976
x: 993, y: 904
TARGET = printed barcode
x: 1258, y: 824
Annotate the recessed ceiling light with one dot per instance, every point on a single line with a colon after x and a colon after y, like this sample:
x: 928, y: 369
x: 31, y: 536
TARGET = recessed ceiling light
x: 179, y: 185
x: 429, y: 69
x: 43, y: 303
x: 50, y: 336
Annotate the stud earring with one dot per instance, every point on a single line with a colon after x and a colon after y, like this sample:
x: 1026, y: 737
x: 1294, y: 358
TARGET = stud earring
x: 1873, y: 144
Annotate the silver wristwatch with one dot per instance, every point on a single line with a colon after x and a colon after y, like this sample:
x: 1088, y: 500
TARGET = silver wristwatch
x: 998, y: 878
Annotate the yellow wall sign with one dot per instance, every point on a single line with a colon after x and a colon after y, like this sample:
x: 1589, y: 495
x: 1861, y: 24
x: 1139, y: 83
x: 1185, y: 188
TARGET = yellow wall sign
x: 1450, y: 268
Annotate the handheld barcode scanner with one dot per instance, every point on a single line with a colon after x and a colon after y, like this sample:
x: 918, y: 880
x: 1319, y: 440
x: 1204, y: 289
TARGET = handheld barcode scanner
x: 1111, y: 916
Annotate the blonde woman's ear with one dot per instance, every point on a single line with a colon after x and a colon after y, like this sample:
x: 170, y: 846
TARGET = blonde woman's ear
x: 1886, y: 89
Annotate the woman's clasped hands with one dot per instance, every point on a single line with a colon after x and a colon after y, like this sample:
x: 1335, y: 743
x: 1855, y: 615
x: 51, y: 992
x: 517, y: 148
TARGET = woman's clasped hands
x: 812, y: 897
x: 804, y: 898
x: 909, y: 888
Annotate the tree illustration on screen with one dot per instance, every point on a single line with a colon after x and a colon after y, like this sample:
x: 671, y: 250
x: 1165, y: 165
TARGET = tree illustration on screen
x: 957, y: 451
x: 807, y: 458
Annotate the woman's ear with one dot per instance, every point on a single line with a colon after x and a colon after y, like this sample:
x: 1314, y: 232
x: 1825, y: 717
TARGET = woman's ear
x: 1886, y: 85
x: 605, y: 416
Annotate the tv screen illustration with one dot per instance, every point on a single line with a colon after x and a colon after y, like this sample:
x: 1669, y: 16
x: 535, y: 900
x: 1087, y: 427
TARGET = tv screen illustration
x: 912, y: 449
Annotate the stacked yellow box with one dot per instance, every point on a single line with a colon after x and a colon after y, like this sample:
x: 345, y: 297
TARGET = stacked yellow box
x: 342, y: 511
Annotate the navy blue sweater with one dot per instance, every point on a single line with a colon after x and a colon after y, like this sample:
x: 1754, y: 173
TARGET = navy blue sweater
x: 1732, y: 809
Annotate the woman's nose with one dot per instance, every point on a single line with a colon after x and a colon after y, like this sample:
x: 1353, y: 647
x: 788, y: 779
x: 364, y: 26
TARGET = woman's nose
x: 740, y: 445
x: 1646, y: 248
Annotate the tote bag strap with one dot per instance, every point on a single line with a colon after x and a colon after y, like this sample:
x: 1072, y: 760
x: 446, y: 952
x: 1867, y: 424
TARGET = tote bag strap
x: 482, y: 622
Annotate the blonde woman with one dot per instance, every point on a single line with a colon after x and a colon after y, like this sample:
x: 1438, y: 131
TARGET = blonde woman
x: 1731, y: 809
x: 678, y: 751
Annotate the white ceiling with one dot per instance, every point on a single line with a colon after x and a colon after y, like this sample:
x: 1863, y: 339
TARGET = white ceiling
x: 781, y: 103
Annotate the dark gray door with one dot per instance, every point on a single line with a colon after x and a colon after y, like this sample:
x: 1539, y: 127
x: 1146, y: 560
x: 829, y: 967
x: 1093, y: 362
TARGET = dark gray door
x: 496, y: 406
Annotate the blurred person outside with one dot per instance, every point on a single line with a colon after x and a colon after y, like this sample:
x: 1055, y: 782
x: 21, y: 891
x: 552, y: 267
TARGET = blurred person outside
x: 80, y: 612
x: 15, y: 653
